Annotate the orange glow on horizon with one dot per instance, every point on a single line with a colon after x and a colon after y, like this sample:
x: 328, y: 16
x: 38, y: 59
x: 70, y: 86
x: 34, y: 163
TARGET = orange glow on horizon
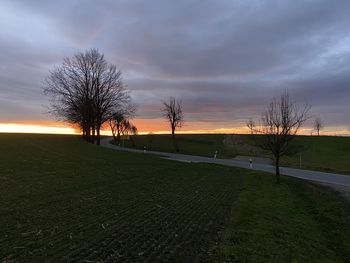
x: 145, y: 126
x: 35, y: 128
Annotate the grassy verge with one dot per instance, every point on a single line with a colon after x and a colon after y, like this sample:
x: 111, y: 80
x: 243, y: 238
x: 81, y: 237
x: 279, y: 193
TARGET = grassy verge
x: 292, y: 222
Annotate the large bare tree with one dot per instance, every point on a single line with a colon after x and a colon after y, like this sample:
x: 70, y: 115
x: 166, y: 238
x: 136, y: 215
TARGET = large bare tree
x: 279, y: 126
x: 85, y: 90
x: 172, y: 111
x: 318, y: 125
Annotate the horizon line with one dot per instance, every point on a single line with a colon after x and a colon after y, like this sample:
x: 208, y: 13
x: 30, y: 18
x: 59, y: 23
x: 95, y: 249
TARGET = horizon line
x: 20, y: 128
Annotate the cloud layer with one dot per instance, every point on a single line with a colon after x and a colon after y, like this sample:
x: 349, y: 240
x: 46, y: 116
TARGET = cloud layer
x: 224, y: 59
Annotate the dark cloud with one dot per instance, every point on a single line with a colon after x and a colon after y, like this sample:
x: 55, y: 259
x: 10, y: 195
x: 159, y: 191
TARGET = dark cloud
x: 224, y: 59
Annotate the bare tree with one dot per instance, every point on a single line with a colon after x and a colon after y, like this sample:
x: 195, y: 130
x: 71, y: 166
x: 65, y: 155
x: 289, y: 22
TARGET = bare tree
x: 172, y: 111
x: 318, y: 125
x: 115, y: 123
x: 280, y: 124
x: 120, y: 124
x: 133, y: 131
x: 251, y: 125
x: 84, y: 90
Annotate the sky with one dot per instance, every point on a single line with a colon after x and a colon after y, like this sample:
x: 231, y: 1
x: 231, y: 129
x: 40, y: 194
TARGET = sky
x: 224, y: 59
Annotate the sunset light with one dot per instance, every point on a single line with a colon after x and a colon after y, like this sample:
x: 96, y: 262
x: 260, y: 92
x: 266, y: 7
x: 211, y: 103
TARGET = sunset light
x: 28, y: 128
x: 175, y: 131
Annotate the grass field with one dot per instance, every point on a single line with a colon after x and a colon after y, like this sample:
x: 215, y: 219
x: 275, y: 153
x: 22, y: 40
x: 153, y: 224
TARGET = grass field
x: 195, y: 144
x: 295, y: 222
x: 66, y: 200
x: 324, y: 153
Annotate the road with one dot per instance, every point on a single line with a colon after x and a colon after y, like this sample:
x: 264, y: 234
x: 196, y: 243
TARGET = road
x: 337, y: 180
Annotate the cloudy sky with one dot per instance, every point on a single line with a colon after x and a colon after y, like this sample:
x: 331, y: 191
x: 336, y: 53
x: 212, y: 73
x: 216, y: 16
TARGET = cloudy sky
x: 224, y: 59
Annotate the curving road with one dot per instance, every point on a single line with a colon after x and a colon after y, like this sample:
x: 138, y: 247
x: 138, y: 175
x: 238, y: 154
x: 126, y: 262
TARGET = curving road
x: 331, y: 179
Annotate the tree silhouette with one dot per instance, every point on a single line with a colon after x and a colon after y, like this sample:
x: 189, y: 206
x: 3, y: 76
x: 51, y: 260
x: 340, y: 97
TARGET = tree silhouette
x: 85, y: 90
x: 172, y: 111
x: 318, y: 125
x: 280, y: 124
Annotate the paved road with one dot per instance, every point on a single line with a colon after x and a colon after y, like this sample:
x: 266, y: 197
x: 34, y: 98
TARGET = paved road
x: 328, y: 178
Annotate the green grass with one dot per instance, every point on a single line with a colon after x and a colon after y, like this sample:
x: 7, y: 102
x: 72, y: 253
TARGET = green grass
x: 193, y: 144
x: 66, y: 200
x: 324, y: 153
x: 292, y: 222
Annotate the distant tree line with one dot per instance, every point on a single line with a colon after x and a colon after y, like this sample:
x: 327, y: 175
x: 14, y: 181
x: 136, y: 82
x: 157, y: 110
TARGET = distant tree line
x: 87, y: 91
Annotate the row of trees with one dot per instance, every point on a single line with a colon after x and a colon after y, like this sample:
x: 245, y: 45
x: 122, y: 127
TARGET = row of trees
x: 279, y: 125
x: 87, y: 91
x: 120, y: 124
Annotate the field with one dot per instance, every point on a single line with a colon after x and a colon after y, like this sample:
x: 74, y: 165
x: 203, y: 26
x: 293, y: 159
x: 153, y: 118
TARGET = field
x: 324, y: 153
x: 195, y: 144
x: 66, y: 200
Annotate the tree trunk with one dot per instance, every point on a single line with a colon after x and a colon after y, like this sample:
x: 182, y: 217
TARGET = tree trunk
x: 113, y: 132
x: 84, y: 135
x: 174, y: 140
x: 277, y: 170
x: 118, y: 138
x: 98, y: 139
x: 93, y: 135
x: 88, y: 134
x: 114, y: 137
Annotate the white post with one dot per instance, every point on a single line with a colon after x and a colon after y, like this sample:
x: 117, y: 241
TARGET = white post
x: 250, y: 163
x: 216, y: 152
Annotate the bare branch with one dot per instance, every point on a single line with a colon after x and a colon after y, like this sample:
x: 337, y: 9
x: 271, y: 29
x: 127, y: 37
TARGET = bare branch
x: 318, y: 125
x: 280, y: 123
x: 251, y: 125
x: 85, y: 90
x: 172, y: 111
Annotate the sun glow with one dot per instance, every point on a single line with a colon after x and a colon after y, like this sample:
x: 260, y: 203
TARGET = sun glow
x: 33, y: 128
x: 144, y: 126
x: 155, y: 126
